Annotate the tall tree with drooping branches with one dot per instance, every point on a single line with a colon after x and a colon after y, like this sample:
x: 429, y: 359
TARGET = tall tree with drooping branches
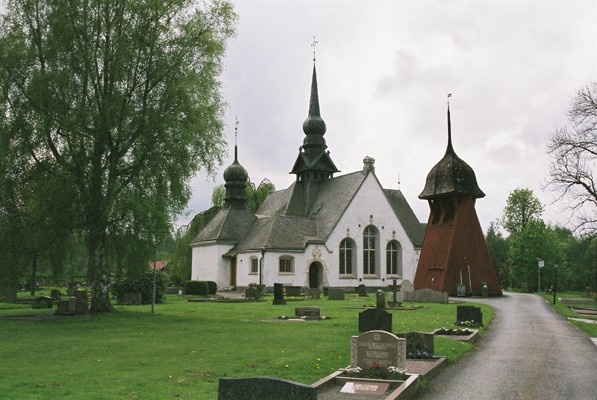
x: 121, y: 98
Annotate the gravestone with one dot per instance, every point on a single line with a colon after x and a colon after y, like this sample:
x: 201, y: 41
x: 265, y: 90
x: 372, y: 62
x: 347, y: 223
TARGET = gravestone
x: 427, y: 296
x: 264, y: 388
x: 362, y: 290
x: 314, y: 293
x: 43, y: 302
x: 307, y: 311
x: 374, y: 319
x: 394, y: 287
x: 405, y: 287
x: 418, y: 344
x: 292, y: 290
x: 469, y: 315
x: 55, y: 294
x: 380, y: 299
x: 336, y: 294
x: 377, y: 348
x: 252, y: 293
x: 66, y: 307
x: 278, y: 294
x: 81, y: 302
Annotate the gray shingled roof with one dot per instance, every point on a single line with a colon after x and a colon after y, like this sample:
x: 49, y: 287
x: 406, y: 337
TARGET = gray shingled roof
x: 284, y: 224
x: 414, y: 229
x: 230, y: 224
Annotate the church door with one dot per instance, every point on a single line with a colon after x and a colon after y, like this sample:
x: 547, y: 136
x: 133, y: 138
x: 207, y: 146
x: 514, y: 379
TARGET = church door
x: 315, y: 270
x: 233, y: 272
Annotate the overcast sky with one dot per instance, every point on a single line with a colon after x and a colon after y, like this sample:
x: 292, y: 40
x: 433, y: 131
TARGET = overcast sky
x: 384, y: 69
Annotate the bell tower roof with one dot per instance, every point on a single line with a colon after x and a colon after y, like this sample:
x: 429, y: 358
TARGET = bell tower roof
x: 451, y: 175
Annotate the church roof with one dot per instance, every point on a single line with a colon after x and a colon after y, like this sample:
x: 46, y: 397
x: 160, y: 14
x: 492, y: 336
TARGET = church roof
x: 282, y: 224
x: 229, y: 225
x: 451, y: 175
x: 414, y: 229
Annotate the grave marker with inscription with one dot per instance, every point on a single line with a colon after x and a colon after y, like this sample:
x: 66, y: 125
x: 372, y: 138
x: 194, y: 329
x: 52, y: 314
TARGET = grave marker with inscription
x: 377, y: 348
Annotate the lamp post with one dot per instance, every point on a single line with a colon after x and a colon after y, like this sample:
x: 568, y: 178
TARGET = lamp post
x: 540, y: 264
x: 555, y: 282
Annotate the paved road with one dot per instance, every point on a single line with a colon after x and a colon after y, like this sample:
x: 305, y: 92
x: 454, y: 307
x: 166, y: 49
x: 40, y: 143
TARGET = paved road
x: 528, y: 353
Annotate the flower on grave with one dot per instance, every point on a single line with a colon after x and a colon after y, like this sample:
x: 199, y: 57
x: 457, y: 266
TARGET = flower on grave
x: 376, y: 371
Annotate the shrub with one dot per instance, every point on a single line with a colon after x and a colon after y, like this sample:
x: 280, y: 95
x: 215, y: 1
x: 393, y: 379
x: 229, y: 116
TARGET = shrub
x: 196, y: 288
x: 144, y: 285
x: 212, y: 287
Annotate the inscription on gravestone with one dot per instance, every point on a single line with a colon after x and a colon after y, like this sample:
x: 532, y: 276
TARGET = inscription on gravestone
x: 377, y: 348
x: 375, y: 319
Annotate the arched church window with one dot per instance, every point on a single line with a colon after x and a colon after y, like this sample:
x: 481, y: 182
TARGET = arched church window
x: 370, y: 245
x: 347, y: 247
x: 394, y: 259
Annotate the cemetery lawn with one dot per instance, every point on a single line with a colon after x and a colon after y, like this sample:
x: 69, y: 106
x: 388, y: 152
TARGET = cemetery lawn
x: 563, y: 308
x: 185, y: 347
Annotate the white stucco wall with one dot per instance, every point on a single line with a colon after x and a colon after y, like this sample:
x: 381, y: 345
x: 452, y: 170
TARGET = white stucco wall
x: 208, y: 264
x: 370, y: 207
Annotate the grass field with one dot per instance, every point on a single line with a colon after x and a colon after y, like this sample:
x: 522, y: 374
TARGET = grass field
x: 563, y: 308
x: 182, y: 350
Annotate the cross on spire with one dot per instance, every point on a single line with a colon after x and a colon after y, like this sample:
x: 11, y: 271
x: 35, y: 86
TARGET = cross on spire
x: 313, y: 45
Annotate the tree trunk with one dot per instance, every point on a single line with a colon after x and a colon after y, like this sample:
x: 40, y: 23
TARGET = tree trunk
x: 100, y: 286
x: 33, y: 274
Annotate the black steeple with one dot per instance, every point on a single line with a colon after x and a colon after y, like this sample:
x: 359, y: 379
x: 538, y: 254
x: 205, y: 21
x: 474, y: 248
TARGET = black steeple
x: 236, y: 178
x: 451, y: 175
x: 313, y: 162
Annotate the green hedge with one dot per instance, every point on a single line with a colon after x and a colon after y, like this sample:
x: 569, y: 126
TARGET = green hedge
x: 200, y: 288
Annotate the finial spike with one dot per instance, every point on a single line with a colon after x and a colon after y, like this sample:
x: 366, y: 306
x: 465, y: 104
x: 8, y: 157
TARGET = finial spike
x: 235, y: 137
x: 449, y: 123
x: 313, y: 45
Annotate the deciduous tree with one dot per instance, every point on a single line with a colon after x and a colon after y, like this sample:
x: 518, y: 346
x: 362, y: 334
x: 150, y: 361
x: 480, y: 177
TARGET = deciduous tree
x: 121, y: 98
x: 521, y: 208
x: 573, y: 159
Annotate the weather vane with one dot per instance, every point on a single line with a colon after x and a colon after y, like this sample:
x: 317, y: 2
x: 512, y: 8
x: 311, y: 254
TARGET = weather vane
x: 313, y: 45
x: 449, y: 95
x: 235, y: 129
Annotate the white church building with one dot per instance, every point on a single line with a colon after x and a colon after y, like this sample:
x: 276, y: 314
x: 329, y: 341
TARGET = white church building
x: 323, y: 231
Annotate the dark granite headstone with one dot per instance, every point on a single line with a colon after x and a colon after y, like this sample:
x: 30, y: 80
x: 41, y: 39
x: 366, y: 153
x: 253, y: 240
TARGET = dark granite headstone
x: 264, y: 388
x: 336, y: 294
x: 252, y: 293
x: 292, y: 290
x: 469, y: 315
x: 55, y: 294
x: 362, y: 290
x: 278, y: 294
x: 375, y: 319
x: 43, y: 302
x: 67, y: 307
x: 418, y: 344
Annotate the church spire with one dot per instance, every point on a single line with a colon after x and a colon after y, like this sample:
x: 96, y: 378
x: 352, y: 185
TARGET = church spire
x: 449, y: 148
x: 314, y: 162
x: 236, y: 178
